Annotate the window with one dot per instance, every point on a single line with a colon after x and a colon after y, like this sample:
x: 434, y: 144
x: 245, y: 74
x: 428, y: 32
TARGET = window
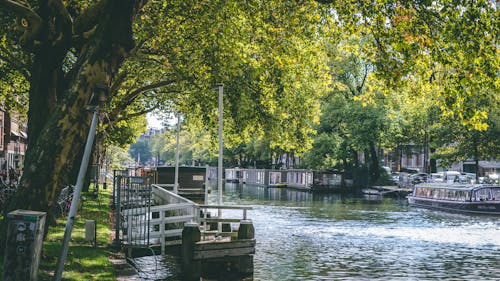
x: 483, y: 194
x: 495, y: 194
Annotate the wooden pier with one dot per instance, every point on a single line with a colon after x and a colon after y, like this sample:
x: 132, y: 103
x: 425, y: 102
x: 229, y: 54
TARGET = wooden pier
x: 220, y: 255
x: 209, y: 244
x: 387, y: 191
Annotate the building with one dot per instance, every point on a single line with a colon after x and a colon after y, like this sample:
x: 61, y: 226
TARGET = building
x: 485, y: 167
x: 13, y: 141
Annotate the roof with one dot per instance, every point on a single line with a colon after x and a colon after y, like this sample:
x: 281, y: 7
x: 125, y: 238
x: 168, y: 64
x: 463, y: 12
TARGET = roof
x: 490, y: 164
x: 456, y: 186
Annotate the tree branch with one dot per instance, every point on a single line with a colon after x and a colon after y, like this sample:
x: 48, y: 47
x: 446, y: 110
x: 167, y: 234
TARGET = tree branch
x: 132, y: 95
x: 360, y: 87
x: 118, y: 81
x: 34, y: 21
x: 64, y: 21
x: 89, y: 18
x: 134, y: 114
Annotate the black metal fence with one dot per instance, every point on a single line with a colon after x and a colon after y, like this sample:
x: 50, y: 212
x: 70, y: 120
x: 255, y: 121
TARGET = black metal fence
x: 132, y: 202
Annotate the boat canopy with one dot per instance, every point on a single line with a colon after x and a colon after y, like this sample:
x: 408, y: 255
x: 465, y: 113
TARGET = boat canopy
x: 458, y: 192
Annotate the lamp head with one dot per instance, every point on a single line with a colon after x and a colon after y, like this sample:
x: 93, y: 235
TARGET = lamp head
x: 99, y: 97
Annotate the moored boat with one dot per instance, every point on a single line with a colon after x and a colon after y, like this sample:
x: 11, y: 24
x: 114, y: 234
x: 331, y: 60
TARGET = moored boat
x: 278, y: 185
x: 473, y: 199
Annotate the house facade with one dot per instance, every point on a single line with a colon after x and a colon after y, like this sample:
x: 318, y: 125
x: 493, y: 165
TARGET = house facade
x: 13, y: 141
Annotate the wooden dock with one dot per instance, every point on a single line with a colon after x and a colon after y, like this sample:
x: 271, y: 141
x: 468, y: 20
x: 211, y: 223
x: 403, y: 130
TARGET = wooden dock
x: 159, y: 219
x: 387, y: 191
x: 228, y: 254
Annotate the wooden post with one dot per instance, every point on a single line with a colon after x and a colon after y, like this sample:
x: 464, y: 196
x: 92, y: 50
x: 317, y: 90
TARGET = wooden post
x: 246, y: 230
x: 191, y: 269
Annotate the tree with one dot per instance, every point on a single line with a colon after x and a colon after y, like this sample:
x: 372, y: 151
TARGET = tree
x: 141, y: 152
x: 147, y: 55
x: 63, y: 50
x: 455, y: 41
x: 353, y: 114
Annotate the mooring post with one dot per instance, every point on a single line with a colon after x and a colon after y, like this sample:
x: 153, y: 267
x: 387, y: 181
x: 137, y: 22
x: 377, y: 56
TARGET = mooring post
x: 191, y: 269
x: 246, y: 230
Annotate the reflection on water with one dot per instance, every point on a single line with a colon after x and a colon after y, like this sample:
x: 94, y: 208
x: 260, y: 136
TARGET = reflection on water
x: 305, y: 236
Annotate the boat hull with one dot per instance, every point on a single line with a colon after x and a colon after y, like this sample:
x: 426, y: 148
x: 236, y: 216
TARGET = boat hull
x: 483, y: 207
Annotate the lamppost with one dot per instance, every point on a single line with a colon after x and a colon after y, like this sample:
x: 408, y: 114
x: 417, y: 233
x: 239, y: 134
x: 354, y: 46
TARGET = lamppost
x: 176, y: 176
x: 219, y: 166
x: 99, y: 96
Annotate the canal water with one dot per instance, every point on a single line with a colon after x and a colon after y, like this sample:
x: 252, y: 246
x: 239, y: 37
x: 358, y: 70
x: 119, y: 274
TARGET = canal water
x: 305, y: 236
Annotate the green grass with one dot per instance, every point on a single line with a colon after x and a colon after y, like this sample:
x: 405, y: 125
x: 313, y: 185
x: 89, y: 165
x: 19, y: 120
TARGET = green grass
x: 84, y: 262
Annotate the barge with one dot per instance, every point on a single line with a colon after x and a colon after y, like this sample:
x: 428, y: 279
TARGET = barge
x: 471, y: 199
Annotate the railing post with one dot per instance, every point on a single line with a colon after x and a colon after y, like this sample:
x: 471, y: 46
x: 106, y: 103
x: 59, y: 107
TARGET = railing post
x: 162, y: 231
x: 129, y: 229
x: 117, y: 242
x: 246, y: 230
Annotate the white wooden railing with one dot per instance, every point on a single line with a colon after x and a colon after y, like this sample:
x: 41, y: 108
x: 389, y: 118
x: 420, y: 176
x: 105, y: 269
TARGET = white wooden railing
x: 169, y: 214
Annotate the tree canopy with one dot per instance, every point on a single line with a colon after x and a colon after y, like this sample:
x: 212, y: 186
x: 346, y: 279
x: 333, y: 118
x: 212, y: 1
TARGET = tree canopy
x: 274, y: 58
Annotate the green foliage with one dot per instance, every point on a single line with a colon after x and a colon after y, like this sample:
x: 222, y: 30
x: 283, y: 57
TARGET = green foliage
x: 397, y: 72
x: 447, y: 42
x: 194, y: 145
x: 268, y: 54
x: 123, y: 133
x: 141, y: 152
x: 117, y: 157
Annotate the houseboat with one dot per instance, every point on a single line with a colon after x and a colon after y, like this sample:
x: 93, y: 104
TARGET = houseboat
x: 276, y: 178
x: 234, y: 175
x: 472, y: 199
x: 300, y: 179
x: 329, y: 181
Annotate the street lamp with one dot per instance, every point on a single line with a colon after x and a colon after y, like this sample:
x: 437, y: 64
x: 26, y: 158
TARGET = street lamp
x: 99, y: 97
x: 219, y: 166
x: 176, y: 176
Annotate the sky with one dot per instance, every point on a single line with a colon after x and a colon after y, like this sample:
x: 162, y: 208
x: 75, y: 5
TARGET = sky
x: 153, y: 121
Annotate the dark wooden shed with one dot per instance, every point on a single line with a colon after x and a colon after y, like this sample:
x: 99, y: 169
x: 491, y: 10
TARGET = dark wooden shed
x: 189, y: 177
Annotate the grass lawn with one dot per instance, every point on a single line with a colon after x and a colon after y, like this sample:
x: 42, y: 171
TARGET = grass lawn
x: 84, y: 262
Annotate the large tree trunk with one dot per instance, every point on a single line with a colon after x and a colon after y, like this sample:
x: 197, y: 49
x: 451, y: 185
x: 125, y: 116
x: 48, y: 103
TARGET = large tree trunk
x: 58, y: 119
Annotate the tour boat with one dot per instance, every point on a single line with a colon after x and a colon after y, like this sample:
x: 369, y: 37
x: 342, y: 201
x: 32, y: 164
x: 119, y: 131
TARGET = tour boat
x: 473, y: 199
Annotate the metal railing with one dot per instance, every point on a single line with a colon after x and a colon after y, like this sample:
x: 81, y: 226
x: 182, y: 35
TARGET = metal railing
x: 132, y: 210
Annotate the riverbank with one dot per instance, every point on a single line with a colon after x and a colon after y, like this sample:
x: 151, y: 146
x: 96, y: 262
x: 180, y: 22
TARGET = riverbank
x: 85, y: 261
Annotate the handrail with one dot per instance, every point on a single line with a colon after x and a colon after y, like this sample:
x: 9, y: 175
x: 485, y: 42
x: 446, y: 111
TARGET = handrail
x: 226, y: 207
x: 182, y: 210
x: 157, y: 187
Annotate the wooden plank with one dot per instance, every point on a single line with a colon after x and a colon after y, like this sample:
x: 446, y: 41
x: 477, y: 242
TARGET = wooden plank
x: 227, y: 207
x: 173, y: 219
x: 168, y: 233
x: 176, y: 206
x: 219, y: 220
x: 230, y: 252
x: 215, y: 245
x: 214, y: 233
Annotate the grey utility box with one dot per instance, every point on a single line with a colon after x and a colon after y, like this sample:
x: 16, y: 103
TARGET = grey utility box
x: 23, y: 245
